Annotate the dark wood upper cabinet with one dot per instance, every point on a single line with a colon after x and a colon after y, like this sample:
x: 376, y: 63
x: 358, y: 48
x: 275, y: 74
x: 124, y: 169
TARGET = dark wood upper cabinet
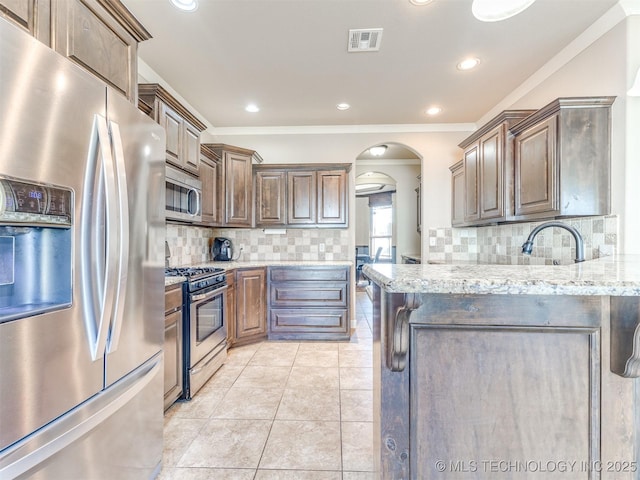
x: 457, y: 194
x: 471, y: 162
x: 236, y: 184
x: 211, y: 178
x: 101, y: 36
x: 182, y: 128
x: 487, y: 173
x: 332, y: 197
x: 305, y: 196
x: 563, y: 159
x: 271, y: 197
x: 302, y: 191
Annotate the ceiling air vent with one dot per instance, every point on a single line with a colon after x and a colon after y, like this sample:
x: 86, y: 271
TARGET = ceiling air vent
x: 365, y: 40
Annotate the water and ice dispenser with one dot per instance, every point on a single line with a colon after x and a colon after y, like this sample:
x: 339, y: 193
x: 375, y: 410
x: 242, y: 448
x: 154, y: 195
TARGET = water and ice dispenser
x: 35, y: 248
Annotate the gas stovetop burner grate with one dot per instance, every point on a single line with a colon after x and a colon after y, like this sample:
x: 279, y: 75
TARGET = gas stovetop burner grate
x: 192, y: 271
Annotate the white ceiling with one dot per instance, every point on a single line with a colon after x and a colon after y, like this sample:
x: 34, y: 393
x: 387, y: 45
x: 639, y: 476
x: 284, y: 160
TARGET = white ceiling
x: 290, y: 57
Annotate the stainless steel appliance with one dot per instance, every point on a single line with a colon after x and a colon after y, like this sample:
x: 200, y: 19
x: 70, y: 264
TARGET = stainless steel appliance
x: 205, y: 327
x: 222, y: 250
x: 81, y: 288
x: 183, y: 196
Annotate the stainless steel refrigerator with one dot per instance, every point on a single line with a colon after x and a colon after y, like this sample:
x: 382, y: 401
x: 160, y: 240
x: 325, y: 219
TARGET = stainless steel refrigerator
x: 81, y: 272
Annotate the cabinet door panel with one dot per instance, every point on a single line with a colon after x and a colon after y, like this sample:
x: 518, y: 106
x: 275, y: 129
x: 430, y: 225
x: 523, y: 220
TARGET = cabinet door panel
x: 471, y: 211
x: 191, y: 148
x: 208, y: 177
x: 19, y: 11
x: 457, y: 197
x: 172, y: 124
x: 271, y: 198
x: 172, y: 357
x: 301, y: 189
x: 491, y: 175
x: 84, y: 38
x: 536, y: 169
x: 239, y: 189
x: 332, y: 197
x: 530, y: 385
x: 251, y: 319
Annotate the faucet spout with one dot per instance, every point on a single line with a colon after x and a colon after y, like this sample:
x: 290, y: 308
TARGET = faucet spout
x: 527, y: 246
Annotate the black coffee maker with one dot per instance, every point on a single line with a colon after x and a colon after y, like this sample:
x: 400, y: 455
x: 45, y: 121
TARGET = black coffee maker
x: 222, y: 250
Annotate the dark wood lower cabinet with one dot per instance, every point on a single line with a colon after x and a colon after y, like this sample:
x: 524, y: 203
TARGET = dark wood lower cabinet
x: 172, y: 344
x: 250, y: 322
x: 309, y: 303
x: 487, y: 386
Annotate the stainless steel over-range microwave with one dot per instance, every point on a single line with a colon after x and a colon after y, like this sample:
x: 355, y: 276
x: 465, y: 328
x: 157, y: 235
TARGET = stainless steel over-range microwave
x: 183, y: 196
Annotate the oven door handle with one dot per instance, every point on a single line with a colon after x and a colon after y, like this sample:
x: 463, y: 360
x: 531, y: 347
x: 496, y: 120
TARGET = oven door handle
x: 203, y: 296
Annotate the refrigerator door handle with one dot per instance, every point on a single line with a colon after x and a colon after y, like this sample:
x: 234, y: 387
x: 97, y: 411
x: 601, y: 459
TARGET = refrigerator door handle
x: 123, y: 238
x: 99, y: 238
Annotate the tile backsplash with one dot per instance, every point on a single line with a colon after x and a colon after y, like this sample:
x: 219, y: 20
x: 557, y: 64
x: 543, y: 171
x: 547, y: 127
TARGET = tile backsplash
x: 311, y: 244
x: 190, y: 245
x: 502, y: 244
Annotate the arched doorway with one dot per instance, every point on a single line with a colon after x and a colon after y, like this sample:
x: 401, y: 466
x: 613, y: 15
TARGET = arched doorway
x: 390, y: 175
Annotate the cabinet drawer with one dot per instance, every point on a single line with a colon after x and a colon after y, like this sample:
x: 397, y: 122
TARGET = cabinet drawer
x: 308, y: 294
x: 319, y: 274
x: 173, y: 298
x: 317, y: 324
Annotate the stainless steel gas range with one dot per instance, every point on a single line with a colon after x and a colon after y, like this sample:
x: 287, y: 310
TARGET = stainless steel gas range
x: 205, y: 325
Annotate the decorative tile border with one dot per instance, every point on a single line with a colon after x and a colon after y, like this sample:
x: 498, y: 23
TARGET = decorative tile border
x: 502, y: 244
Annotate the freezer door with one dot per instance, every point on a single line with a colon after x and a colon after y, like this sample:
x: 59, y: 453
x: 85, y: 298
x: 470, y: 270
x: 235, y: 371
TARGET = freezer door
x: 137, y: 328
x: 47, y: 114
x: 117, y: 435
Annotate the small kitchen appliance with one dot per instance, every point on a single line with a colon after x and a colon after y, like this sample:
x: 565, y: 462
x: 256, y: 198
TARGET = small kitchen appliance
x: 222, y: 250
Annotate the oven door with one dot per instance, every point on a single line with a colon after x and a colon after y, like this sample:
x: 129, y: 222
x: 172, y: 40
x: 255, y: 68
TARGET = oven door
x: 207, y: 349
x: 208, y: 326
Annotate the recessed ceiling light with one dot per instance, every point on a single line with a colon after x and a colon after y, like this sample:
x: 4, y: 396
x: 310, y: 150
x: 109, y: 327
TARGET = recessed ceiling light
x: 433, y: 110
x: 343, y: 106
x: 186, y: 5
x: 252, y: 108
x: 496, y: 10
x: 468, y: 63
x: 420, y: 2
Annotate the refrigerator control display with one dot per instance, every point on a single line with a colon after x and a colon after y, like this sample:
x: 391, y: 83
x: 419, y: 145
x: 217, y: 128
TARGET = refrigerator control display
x: 34, y: 203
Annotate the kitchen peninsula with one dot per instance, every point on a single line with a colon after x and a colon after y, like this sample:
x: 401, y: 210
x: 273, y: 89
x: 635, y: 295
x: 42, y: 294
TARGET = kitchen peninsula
x: 507, y: 371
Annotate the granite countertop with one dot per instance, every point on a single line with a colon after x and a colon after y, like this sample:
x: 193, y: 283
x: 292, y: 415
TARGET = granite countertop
x: 168, y: 281
x: 617, y: 276
x: 274, y: 263
x: 256, y: 264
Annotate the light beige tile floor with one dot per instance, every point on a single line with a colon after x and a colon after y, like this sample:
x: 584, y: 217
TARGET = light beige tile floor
x: 280, y: 411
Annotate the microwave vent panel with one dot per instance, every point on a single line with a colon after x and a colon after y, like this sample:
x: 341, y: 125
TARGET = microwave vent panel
x: 364, y: 40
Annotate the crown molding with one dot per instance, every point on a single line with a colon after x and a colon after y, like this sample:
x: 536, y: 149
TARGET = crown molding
x: 344, y: 129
